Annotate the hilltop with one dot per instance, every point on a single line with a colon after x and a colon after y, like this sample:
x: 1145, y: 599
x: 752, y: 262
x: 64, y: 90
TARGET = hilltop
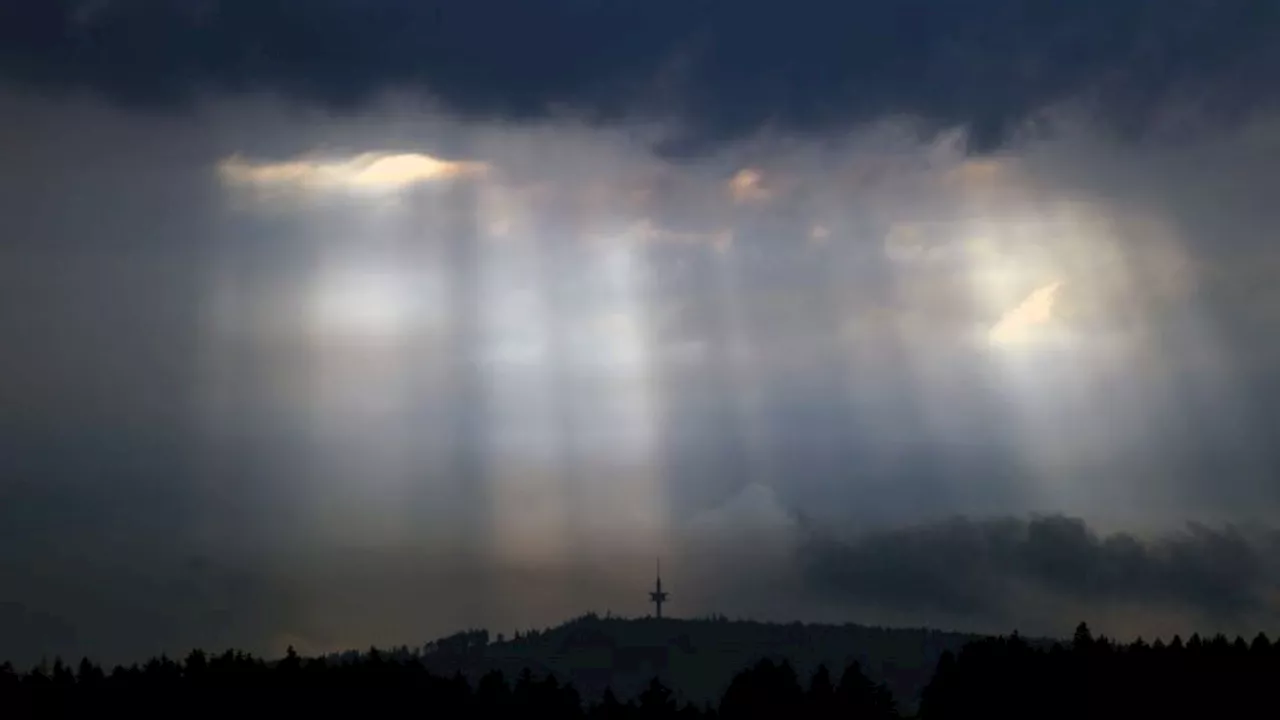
x: 697, y: 658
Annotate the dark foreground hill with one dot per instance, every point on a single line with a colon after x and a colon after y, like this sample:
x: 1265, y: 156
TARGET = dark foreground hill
x: 697, y: 658
x: 996, y: 678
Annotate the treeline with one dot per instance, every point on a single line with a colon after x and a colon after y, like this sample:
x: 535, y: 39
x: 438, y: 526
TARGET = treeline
x: 237, y: 685
x: 1092, y: 677
x: 1004, y: 677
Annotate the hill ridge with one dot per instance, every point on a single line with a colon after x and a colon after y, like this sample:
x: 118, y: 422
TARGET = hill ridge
x: 697, y: 657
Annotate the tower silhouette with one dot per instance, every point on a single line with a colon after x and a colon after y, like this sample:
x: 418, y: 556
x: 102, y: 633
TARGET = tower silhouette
x: 657, y: 597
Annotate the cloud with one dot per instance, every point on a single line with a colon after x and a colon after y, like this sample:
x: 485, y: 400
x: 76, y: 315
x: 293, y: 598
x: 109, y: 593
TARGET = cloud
x: 30, y: 634
x: 126, y: 251
x: 370, y: 172
x: 748, y: 186
x: 722, y: 69
x: 1016, y: 572
x: 980, y: 173
x: 1019, y: 324
x: 87, y: 12
x: 754, y: 511
x: 142, y: 605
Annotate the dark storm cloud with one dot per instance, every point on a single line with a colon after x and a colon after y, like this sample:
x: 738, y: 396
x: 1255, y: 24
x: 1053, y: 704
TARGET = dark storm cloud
x: 995, y: 569
x: 724, y: 67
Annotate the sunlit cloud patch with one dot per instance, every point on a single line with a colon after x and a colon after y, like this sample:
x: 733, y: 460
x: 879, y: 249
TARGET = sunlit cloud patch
x: 366, y: 172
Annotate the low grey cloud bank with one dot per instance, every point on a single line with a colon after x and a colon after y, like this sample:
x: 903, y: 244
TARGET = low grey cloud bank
x: 1018, y: 572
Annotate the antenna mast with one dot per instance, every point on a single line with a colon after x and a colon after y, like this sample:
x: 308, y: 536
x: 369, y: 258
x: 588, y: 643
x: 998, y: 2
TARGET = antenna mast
x: 657, y: 597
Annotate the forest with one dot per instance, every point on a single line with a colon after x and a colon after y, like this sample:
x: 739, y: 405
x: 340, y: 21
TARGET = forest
x: 990, y: 677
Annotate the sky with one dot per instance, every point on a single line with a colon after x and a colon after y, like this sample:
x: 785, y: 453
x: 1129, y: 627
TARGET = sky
x: 348, y: 323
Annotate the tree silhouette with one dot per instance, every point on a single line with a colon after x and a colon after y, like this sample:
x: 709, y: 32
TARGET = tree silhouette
x: 820, y: 700
x: 1082, y: 639
x: 859, y: 697
x: 766, y: 690
x: 610, y: 709
x: 996, y: 677
x: 656, y: 701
